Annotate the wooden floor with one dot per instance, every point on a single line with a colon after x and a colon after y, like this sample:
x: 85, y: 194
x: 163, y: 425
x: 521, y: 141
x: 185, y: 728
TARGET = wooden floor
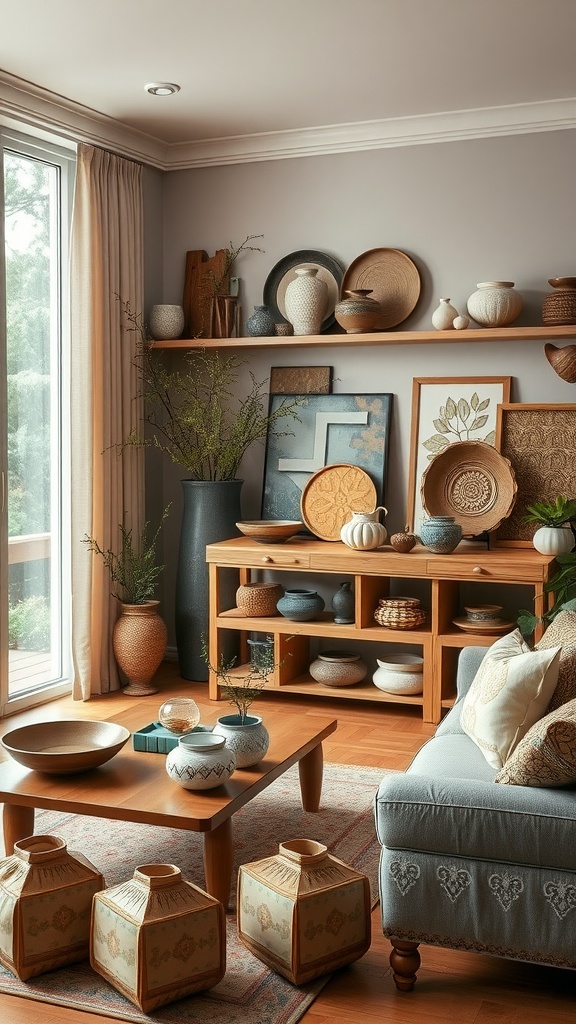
x: 459, y: 988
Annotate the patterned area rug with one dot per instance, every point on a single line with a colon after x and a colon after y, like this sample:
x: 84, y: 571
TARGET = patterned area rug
x: 249, y: 993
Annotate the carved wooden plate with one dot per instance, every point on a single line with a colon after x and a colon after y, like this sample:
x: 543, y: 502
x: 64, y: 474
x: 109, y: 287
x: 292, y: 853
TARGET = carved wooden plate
x: 332, y: 494
x: 471, y: 481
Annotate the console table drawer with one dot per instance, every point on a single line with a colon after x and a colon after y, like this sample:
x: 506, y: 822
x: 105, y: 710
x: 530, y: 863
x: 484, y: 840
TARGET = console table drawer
x: 489, y: 569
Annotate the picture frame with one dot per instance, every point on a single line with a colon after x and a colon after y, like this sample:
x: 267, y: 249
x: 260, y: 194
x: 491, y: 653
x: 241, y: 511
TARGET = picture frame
x: 301, y: 380
x: 470, y: 412
x: 332, y: 429
x: 539, y: 439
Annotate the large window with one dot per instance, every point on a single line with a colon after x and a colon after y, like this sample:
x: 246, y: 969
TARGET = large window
x: 34, y: 435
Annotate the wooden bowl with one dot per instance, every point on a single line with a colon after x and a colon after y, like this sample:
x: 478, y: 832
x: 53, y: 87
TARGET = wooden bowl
x: 270, y: 531
x: 61, y: 748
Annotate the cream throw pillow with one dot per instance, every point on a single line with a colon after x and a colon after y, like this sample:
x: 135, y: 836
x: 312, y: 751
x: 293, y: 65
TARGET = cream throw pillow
x: 510, y: 692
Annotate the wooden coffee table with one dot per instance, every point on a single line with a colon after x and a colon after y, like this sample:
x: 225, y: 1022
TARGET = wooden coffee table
x: 134, y: 786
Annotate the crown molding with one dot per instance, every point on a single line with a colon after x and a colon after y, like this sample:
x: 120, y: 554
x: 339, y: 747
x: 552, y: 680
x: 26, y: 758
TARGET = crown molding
x: 23, y: 104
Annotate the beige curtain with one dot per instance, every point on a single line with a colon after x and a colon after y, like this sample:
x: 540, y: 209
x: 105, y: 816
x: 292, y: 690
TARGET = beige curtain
x: 107, y: 488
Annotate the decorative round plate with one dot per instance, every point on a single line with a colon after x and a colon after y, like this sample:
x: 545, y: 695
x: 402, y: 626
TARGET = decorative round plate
x: 332, y: 494
x: 394, y: 280
x: 490, y: 627
x: 280, y: 276
x: 471, y: 481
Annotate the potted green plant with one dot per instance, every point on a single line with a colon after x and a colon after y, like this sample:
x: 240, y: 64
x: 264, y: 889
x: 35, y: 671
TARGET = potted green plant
x: 245, y: 734
x: 197, y: 417
x: 563, y: 585
x: 554, y: 534
x: 139, y: 634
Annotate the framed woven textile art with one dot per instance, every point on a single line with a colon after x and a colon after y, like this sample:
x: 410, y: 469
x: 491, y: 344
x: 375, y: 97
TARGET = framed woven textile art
x: 540, y: 441
x: 351, y: 429
x: 301, y: 380
x: 445, y: 410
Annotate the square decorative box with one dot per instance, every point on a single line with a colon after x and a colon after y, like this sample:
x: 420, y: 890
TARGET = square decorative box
x: 155, y: 739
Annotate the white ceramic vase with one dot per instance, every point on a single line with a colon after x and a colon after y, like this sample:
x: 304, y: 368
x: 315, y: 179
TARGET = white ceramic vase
x: 495, y: 304
x: 200, y: 761
x: 399, y: 673
x: 553, y: 540
x: 364, y: 532
x: 247, y: 738
x: 306, y: 301
x: 443, y: 317
x: 166, y: 322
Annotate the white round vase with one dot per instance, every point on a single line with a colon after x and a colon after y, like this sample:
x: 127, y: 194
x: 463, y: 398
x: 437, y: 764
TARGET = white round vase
x: 443, y: 317
x: 400, y: 673
x: 166, y: 322
x: 306, y: 301
x: 553, y: 540
x: 200, y: 761
x: 495, y: 304
x: 247, y: 738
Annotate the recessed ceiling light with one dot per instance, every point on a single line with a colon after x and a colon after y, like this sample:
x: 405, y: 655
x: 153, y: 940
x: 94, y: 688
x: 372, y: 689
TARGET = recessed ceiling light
x: 162, y: 88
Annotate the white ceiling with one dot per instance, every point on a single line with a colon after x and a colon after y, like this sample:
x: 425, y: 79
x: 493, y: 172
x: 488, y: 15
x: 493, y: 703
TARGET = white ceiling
x: 248, y: 67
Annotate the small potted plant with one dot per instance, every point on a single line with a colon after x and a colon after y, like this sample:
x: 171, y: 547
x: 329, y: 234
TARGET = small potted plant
x: 245, y: 734
x: 139, y: 635
x: 554, y: 535
x: 563, y: 585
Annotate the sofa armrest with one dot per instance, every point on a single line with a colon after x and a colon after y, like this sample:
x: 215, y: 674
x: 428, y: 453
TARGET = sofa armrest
x: 469, y: 661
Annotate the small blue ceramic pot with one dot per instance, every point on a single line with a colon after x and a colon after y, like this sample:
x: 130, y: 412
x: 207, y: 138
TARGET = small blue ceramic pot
x: 441, y: 534
x: 300, y: 605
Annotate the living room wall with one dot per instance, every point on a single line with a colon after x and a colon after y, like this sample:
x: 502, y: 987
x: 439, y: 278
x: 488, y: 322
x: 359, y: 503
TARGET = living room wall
x: 486, y: 209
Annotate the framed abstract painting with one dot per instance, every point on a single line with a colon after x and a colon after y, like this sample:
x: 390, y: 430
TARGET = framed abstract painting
x: 333, y: 429
x: 445, y: 410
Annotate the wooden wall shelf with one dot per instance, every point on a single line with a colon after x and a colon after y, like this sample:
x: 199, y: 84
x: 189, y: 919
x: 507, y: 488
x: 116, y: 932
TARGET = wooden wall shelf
x: 497, y: 334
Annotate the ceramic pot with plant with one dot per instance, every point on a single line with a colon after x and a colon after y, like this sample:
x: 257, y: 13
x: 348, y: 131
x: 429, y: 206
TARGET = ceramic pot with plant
x: 197, y: 416
x: 554, y: 535
x: 245, y: 734
x: 139, y: 635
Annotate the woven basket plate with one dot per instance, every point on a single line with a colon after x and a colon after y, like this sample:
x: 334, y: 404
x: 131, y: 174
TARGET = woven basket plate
x: 393, y: 279
x: 332, y: 494
x: 471, y: 481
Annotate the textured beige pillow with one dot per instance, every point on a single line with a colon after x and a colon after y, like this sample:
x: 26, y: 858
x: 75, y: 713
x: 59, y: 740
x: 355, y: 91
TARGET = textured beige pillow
x: 546, y: 756
x: 509, y: 693
x: 562, y: 630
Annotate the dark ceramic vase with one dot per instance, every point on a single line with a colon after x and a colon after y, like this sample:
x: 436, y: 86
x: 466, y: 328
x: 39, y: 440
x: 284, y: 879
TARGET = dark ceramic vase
x: 343, y: 604
x: 261, y: 323
x: 300, y: 605
x: 211, y: 511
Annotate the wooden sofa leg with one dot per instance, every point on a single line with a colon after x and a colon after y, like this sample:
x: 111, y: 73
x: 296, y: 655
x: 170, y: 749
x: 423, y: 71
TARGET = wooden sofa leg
x: 404, y: 961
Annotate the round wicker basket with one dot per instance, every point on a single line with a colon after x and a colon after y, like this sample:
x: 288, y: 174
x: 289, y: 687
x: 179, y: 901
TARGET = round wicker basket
x: 399, y: 612
x: 257, y: 599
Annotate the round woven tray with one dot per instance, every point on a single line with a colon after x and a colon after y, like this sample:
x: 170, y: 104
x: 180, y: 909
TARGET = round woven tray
x: 393, y: 280
x: 471, y: 481
x: 332, y: 494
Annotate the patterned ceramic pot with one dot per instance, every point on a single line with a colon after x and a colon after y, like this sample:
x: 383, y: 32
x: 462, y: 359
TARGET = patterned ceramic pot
x: 166, y: 322
x: 247, y: 738
x: 364, y: 532
x: 338, y: 668
x: 300, y: 605
x: 358, y: 314
x: 261, y: 323
x: 139, y: 643
x: 306, y: 301
x: 200, y: 761
x: 495, y: 304
x: 441, y: 534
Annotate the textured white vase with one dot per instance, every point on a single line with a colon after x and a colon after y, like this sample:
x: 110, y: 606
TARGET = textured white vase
x: 553, y: 540
x: 495, y: 304
x: 166, y: 322
x: 306, y: 301
x: 443, y: 317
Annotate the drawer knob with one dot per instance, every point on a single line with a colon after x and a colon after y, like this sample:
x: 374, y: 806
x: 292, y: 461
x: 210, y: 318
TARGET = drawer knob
x: 478, y: 570
x: 266, y: 558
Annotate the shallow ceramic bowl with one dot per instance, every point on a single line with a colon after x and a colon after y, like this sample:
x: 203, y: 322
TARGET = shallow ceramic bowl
x: 483, y: 612
x: 64, y: 747
x: 270, y: 531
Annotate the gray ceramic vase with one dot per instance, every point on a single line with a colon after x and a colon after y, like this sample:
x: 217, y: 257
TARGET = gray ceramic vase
x: 441, y: 534
x: 300, y: 605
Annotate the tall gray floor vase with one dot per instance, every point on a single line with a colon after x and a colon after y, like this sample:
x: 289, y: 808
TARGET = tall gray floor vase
x: 211, y: 511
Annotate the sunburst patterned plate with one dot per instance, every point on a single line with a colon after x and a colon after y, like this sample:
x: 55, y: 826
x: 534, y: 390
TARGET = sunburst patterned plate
x: 471, y: 481
x: 332, y: 494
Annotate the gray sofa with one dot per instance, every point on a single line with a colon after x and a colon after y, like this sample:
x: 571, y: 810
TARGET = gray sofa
x: 472, y: 865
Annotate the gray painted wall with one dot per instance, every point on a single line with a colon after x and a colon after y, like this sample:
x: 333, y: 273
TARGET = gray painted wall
x: 493, y: 209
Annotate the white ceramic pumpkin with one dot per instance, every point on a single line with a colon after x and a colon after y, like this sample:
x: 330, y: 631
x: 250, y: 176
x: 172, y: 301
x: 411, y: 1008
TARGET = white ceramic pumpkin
x: 364, y: 532
x: 553, y: 540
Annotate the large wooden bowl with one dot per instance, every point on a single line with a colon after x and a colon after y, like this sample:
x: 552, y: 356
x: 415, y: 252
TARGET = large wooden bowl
x: 64, y: 747
x: 270, y: 531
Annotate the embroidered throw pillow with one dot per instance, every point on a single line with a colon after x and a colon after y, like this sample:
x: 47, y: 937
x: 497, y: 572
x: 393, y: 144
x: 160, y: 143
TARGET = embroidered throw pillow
x: 546, y: 756
x: 562, y: 630
x: 509, y: 693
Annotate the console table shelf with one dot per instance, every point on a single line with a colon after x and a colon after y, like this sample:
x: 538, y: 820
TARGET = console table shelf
x: 498, y: 334
x: 371, y: 573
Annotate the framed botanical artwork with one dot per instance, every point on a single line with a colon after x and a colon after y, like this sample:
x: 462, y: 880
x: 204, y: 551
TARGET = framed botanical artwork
x: 444, y: 410
x: 540, y: 442
x: 332, y: 429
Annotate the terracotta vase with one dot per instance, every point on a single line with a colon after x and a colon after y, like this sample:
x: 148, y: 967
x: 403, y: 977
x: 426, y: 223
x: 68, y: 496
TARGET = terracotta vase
x: 157, y: 937
x: 358, y: 314
x: 139, y: 643
x: 45, y: 899
x: 302, y: 911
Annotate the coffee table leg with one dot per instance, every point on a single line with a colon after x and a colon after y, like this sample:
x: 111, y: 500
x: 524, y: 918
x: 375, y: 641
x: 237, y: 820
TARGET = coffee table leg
x: 311, y: 767
x: 218, y: 861
x: 18, y: 824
